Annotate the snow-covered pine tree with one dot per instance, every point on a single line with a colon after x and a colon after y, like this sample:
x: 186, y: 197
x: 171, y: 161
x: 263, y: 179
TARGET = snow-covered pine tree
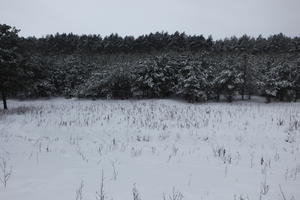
x: 12, y: 74
x: 229, y: 79
x: 280, y: 80
x: 154, y: 77
x: 192, y: 83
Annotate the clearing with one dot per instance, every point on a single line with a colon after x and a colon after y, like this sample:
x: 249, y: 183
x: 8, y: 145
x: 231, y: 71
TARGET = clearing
x: 58, y: 149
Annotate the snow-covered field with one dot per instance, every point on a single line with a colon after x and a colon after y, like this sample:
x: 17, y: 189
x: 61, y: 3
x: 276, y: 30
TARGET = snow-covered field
x: 59, y: 149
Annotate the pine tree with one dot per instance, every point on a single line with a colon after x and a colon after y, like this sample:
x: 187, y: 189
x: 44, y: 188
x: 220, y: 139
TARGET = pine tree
x: 192, y: 83
x: 11, y: 73
x: 229, y: 79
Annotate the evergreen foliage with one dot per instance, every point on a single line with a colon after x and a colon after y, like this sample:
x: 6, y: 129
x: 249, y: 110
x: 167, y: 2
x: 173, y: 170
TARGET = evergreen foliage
x: 157, y: 65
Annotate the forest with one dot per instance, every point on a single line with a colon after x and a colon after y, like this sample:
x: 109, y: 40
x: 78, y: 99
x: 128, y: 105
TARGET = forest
x: 156, y: 65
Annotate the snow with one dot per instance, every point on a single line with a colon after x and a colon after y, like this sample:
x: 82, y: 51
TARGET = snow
x: 210, y: 151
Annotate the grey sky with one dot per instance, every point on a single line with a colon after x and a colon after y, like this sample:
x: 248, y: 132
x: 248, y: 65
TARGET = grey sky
x: 220, y: 18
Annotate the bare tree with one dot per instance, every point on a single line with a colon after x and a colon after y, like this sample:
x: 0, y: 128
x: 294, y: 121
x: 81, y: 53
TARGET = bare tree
x: 135, y: 193
x: 176, y: 195
x: 100, y: 194
x: 5, y: 172
x: 79, y: 195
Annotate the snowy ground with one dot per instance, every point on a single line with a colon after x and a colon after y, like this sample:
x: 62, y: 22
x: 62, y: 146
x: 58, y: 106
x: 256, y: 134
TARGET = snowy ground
x: 212, y: 151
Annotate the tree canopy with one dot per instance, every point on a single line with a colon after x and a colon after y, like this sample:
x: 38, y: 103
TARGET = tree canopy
x: 156, y: 65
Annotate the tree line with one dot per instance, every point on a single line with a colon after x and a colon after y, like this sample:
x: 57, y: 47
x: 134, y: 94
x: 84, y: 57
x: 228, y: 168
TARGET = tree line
x: 158, y: 42
x: 157, y: 65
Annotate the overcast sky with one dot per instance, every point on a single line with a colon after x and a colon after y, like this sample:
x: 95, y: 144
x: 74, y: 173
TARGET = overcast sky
x: 219, y: 18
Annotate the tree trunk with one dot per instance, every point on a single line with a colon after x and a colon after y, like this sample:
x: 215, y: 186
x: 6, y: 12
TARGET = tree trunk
x: 4, y: 100
x: 229, y: 98
x: 281, y: 95
x: 268, y: 99
x: 296, y: 95
x: 218, y: 96
x: 244, y: 76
